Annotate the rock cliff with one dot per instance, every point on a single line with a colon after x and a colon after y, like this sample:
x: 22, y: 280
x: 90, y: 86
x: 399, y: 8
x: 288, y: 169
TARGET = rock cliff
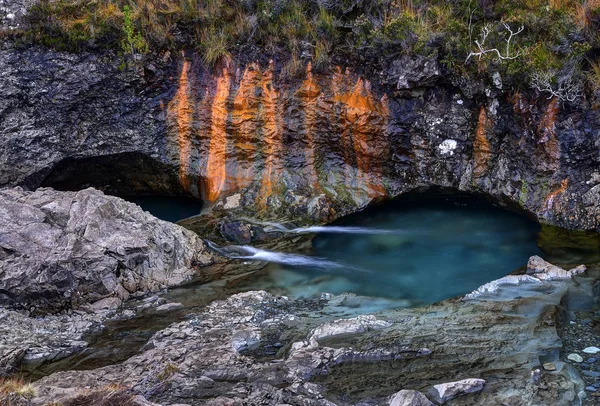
x: 308, y: 149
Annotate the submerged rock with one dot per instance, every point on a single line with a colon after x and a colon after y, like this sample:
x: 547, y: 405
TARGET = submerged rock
x: 447, y: 391
x: 575, y: 357
x: 62, y: 250
x: 538, y: 271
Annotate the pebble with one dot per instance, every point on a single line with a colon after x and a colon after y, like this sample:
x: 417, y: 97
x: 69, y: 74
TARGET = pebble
x: 591, y: 350
x: 590, y: 360
x: 593, y: 374
x: 575, y: 357
x: 549, y: 366
x: 591, y: 389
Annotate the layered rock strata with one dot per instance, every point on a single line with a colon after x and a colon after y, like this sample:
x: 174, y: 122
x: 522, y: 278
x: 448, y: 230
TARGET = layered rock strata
x: 309, y: 150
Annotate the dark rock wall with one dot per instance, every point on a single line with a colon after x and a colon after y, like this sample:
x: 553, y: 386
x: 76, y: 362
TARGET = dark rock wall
x: 309, y: 149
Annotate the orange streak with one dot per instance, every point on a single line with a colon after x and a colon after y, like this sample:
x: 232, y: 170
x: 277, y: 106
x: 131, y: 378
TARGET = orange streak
x: 244, y: 119
x: 547, y: 134
x: 365, y: 121
x: 273, y: 132
x: 309, y: 92
x: 183, y: 111
x: 215, y: 167
x: 481, y: 146
x: 549, y: 202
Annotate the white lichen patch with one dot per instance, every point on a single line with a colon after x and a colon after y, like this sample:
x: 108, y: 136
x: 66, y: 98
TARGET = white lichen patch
x: 447, y: 147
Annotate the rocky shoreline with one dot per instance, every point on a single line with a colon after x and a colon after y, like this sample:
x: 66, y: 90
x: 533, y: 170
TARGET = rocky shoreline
x: 494, y: 346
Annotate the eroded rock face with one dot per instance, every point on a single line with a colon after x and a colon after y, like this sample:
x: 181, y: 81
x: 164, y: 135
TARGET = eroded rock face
x: 308, y: 150
x: 64, y: 250
x: 217, y: 357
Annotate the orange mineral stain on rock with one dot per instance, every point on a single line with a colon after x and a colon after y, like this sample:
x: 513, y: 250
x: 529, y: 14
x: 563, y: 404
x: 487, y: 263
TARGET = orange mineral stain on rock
x: 365, y: 122
x: 549, y: 202
x: 272, y: 122
x: 244, y: 119
x: 481, y: 146
x: 181, y: 107
x: 308, y: 93
x: 215, y: 166
x: 547, y: 135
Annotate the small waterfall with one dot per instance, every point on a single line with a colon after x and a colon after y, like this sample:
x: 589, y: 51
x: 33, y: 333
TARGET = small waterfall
x: 256, y: 254
x: 273, y: 227
x: 342, y: 230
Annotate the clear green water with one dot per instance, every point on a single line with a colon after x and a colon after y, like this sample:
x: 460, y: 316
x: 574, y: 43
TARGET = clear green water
x: 168, y: 208
x: 411, y: 253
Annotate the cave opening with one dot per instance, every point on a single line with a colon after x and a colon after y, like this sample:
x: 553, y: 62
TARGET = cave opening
x: 135, y: 177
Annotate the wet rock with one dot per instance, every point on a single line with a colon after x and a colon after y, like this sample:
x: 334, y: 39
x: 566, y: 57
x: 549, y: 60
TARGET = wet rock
x: 591, y: 350
x: 63, y: 250
x: 237, y: 231
x: 592, y: 374
x: 446, y: 391
x: 543, y: 270
x: 590, y: 389
x: 575, y: 357
x: 409, y: 398
x: 549, y: 366
x: 493, y: 286
x: 167, y: 307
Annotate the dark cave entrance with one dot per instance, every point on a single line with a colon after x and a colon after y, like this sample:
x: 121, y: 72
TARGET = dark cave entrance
x: 135, y: 177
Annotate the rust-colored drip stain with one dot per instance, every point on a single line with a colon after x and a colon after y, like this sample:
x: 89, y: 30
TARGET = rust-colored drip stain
x: 365, y: 122
x: 309, y: 92
x: 549, y: 202
x: 547, y: 134
x: 340, y: 85
x: 181, y: 107
x: 272, y: 121
x: 481, y: 146
x: 215, y: 166
x: 244, y: 119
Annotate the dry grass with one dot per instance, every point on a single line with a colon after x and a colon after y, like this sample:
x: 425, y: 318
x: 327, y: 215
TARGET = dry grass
x: 587, y: 14
x: 111, y: 395
x: 15, y: 391
x: 594, y: 74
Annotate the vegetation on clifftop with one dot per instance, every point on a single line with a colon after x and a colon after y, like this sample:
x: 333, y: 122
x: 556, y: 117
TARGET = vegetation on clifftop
x: 560, y: 38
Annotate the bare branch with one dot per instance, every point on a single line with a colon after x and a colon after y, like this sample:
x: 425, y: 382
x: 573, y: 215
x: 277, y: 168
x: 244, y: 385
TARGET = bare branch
x: 485, y: 32
x: 566, y: 90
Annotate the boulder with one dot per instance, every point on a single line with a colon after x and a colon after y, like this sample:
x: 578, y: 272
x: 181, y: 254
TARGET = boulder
x: 63, y: 250
x: 450, y: 390
x: 409, y: 398
x: 543, y: 270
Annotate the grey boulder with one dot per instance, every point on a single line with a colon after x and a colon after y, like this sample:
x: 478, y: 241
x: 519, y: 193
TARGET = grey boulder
x: 64, y: 250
